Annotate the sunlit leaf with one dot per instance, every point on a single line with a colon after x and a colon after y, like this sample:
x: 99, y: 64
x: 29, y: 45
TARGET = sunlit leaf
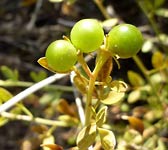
x: 157, y: 59
x: 109, y: 23
x: 4, y: 95
x: 69, y: 120
x: 135, y: 123
x: 86, y: 137
x: 26, y: 3
x: 56, y: 1
x: 163, y: 12
x: 134, y: 96
x: 101, y: 116
x: 147, y: 46
x: 113, y: 97
x: 135, y: 79
x: 48, y: 140
x: 51, y: 147
x: 107, y: 138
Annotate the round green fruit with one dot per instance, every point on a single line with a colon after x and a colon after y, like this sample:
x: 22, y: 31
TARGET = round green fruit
x: 124, y: 40
x: 87, y: 35
x: 61, y: 55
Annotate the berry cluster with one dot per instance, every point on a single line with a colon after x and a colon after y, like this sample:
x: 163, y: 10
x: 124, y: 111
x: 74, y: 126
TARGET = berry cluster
x: 86, y: 36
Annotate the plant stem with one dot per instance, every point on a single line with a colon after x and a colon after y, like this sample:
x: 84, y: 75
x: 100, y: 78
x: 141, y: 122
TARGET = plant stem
x: 102, y: 59
x: 29, y: 91
x: 10, y: 83
x: 102, y: 9
x: 36, y: 119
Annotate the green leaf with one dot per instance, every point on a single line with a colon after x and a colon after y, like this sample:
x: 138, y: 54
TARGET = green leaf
x: 86, y: 137
x: 4, y: 95
x: 56, y: 1
x: 101, y: 116
x: 38, y: 76
x: 48, y: 140
x: 135, y: 79
x: 107, y: 138
x: 157, y: 59
x: 158, y: 3
x: 147, y: 46
x: 9, y: 73
x: 134, y: 96
x: 163, y: 12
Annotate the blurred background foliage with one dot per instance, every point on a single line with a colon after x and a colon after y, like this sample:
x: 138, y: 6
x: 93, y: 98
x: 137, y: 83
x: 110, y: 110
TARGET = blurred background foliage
x: 140, y: 121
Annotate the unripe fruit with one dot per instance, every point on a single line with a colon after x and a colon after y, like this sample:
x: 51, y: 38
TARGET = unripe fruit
x: 125, y: 40
x: 87, y: 35
x: 61, y: 55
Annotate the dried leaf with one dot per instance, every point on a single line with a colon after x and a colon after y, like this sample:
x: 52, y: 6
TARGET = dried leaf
x: 81, y: 83
x: 105, y: 71
x: 48, y: 140
x: 107, y: 138
x: 135, y: 123
x: 66, y: 108
x: 157, y: 59
x: 135, y: 79
x: 86, y: 137
x: 43, y: 62
x: 101, y: 116
x: 51, y: 147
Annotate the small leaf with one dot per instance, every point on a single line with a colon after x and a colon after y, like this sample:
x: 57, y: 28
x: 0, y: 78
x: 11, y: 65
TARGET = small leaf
x: 56, y: 1
x: 163, y: 12
x: 70, y: 121
x: 86, y: 137
x: 157, y: 59
x: 158, y: 3
x: 105, y: 71
x: 66, y: 108
x: 147, y: 46
x: 109, y: 23
x: 9, y: 73
x: 38, y: 76
x: 101, y: 116
x: 51, y: 147
x: 4, y: 95
x: 48, y: 140
x: 134, y: 96
x: 135, y: 123
x: 113, y: 97
x: 81, y: 83
x: 135, y: 79
x: 43, y: 62
x: 107, y: 138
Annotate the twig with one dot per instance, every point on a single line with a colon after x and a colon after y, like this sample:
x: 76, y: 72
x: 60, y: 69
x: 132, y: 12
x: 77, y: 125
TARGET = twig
x: 78, y: 101
x: 34, y: 16
x: 30, y: 90
x: 36, y: 119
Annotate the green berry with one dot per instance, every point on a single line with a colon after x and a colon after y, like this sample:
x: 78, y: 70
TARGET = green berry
x: 125, y: 40
x: 61, y: 55
x: 87, y: 35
